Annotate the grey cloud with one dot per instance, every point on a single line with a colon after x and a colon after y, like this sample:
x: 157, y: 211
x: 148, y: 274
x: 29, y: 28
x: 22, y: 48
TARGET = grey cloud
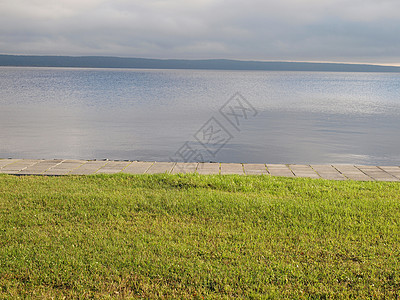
x: 330, y: 30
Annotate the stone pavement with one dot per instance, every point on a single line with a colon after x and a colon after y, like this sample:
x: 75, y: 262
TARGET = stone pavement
x: 86, y: 167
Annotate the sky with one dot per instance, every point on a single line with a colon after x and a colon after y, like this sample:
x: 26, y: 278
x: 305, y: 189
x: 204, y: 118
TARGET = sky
x: 355, y: 31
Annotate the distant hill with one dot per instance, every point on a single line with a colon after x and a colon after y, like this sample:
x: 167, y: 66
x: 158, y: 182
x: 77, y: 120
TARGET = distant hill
x: 208, y: 64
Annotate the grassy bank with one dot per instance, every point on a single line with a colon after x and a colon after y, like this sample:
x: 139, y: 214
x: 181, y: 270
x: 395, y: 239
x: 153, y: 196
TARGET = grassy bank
x: 198, y: 237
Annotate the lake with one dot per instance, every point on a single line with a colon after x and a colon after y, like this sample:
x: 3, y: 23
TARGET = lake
x: 186, y: 115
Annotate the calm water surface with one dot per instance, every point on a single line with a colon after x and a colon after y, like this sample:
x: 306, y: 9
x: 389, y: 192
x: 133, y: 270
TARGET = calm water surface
x: 303, y: 117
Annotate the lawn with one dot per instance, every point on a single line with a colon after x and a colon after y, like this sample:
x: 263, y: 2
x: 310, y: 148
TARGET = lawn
x: 192, y: 236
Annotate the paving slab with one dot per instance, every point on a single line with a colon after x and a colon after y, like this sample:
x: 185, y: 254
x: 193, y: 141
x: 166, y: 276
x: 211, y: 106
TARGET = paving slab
x: 137, y: 167
x: 113, y: 167
x: 208, y: 168
x: 230, y: 169
x: 83, y: 167
x: 64, y: 167
x: 377, y: 173
x: 5, y: 162
x: 160, y: 167
x: 328, y: 172
x: 303, y: 171
x: 40, y: 167
x: 184, y: 168
x: 392, y: 170
x: 88, y: 168
x: 18, y: 166
x: 279, y: 170
x: 255, y: 169
x: 351, y: 172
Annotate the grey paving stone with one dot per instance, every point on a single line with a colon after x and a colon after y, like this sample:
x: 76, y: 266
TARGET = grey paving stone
x: 350, y: 169
x: 377, y: 173
x: 279, y: 170
x: 113, y: 167
x: 255, y: 169
x: 230, y: 169
x: 208, y: 168
x: 303, y: 171
x: 382, y: 177
x: 88, y: 168
x: 256, y: 173
x: 137, y: 167
x: 81, y: 167
x: 277, y: 166
x: 351, y: 172
x: 64, y: 167
x: 328, y: 172
x: 5, y: 162
x: 392, y: 170
x: 184, y: 168
x: 40, y: 167
x: 360, y: 178
x: 160, y: 167
x: 18, y: 166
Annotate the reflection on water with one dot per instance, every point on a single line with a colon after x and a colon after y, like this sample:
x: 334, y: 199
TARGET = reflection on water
x: 303, y: 117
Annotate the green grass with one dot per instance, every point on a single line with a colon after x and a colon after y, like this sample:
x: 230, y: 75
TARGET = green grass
x: 191, y: 236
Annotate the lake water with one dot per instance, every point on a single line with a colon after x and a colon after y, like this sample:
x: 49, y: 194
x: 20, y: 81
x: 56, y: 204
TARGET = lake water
x: 286, y: 117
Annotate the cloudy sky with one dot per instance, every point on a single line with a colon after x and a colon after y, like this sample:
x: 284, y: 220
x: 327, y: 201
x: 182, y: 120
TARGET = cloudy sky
x: 294, y: 30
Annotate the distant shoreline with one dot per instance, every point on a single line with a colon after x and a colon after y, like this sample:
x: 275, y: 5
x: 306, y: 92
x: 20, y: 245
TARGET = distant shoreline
x: 180, y: 64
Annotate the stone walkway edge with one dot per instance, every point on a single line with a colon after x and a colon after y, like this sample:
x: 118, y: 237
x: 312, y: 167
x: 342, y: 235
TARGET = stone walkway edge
x: 58, y: 167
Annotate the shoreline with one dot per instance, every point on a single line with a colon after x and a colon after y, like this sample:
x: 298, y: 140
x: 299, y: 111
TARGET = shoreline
x: 61, y: 167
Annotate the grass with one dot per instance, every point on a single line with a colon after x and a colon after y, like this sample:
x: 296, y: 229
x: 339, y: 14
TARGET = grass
x: 192, y: 236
